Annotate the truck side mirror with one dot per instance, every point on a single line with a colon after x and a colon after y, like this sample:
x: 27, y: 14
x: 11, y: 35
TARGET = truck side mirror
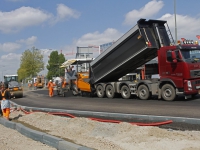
x: 174, y: 57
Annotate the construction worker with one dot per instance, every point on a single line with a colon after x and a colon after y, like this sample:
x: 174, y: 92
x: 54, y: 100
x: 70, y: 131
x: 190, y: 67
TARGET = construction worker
x: 50, y: 87
x: 64, y: 84
x: 5, y: 103
x: 29, y: 85
x: 35, y: 85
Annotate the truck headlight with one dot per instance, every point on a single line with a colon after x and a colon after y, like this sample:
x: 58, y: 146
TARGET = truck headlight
x: 189, y: 85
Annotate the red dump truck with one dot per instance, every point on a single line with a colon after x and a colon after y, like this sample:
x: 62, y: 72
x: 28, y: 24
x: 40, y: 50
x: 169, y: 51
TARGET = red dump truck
x: 178, y: 65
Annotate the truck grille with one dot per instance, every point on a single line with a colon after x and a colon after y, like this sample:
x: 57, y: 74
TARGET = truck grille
x: 195, y: 73
x: 197, y: 82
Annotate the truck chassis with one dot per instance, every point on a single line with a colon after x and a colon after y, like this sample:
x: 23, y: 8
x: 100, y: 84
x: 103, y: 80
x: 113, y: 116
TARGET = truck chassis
x: 143, y: 89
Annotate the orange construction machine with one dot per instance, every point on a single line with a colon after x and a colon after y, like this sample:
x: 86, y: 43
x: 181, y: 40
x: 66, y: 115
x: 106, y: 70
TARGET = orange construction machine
x: 40, y: 82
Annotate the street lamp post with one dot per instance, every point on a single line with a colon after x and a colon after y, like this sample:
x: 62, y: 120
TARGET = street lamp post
x: 175, y: 21
x: 2, y: 67
x: 3, y: 74
x: 59, y: 64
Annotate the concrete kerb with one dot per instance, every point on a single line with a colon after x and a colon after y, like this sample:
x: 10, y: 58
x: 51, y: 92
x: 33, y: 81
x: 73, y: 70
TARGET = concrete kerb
x: 47, y: 139
x: 117, y: 116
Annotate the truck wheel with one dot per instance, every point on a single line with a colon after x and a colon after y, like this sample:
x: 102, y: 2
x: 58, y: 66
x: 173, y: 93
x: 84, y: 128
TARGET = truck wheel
x: 125, y: 92
x: 193, y: 95
x: 18, y: 95
x: 143, y: 92
x: 100, y: 91
x: 168, y: 92
x: 110, y: 91
x: 21, y: 95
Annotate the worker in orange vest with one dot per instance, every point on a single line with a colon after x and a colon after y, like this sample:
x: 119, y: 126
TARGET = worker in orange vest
x: 50, y: 87
x: 35, y: 85
x: 29, y: 86
x: 5, y: 103
x: 64, y: 84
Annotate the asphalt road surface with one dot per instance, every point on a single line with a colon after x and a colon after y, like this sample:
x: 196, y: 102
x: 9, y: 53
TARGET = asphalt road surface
x: 179, y: 108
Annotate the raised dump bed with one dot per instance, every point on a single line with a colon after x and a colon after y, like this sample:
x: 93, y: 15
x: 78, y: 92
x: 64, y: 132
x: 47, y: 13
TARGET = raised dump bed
x: 136, y: 47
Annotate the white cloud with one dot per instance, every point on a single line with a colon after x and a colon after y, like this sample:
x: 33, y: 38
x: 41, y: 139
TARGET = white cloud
x: 187, y: 27
x: 9, y: 63
x: 14, y: 46
x: 97, y: 38
x: 22, y: 17
x: 64, y: 12
x: 29, y: 41
x: 9, y: 47
x: 149, y: 10
x: 10, y: 56
x: 91, y: 39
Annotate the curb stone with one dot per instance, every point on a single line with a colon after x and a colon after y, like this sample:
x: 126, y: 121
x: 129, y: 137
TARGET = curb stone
x: 116, y: 115
x: 47, y: 139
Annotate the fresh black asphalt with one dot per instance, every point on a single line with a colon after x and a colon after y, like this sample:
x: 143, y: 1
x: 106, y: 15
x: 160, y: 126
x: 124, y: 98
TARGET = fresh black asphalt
x: 178, y: 108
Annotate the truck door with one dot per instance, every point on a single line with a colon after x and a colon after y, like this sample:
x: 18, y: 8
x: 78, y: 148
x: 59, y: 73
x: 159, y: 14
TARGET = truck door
x: 174, y: 70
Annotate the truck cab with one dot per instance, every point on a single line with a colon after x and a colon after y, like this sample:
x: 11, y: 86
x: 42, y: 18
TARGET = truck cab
x: 180, y: 66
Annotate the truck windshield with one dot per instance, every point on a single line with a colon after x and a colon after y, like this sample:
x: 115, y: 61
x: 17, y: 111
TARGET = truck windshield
x: 191, y: 55
x: 10, y: 78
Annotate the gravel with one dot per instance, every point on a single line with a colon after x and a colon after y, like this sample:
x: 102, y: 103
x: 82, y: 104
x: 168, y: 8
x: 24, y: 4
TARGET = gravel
x: 99, y: 135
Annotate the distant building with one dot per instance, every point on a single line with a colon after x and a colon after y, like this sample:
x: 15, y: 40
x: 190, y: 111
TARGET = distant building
x: 103, y: 47
x: 85, y: 53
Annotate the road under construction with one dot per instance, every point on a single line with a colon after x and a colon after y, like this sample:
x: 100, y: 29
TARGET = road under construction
x: 39, y: 99
x: 134, y: 111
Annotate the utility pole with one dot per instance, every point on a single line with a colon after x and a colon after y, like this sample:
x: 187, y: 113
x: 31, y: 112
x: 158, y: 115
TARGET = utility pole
x: 175, y: 21
x: 59, y: 62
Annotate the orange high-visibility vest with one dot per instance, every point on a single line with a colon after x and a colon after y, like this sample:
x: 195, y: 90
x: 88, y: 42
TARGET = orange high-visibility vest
x: 3, y: 95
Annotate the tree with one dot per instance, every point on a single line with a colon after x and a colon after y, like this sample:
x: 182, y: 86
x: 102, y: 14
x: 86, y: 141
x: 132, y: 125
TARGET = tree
x: 31, y: 63
x: 21, y: 74
x: 54, y: 63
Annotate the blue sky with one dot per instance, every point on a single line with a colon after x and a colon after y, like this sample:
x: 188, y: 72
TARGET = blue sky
x: 65, y: 24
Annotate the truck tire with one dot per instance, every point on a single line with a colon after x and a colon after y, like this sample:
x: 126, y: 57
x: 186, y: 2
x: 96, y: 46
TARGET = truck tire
x: 125, y: 92
x: 18, y: 95
x: 21, y: 95
x: 168, y: 92
x: 100, y: 91
x: 193, y: 95
x: 110, y: 91
x: 143, y: 92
